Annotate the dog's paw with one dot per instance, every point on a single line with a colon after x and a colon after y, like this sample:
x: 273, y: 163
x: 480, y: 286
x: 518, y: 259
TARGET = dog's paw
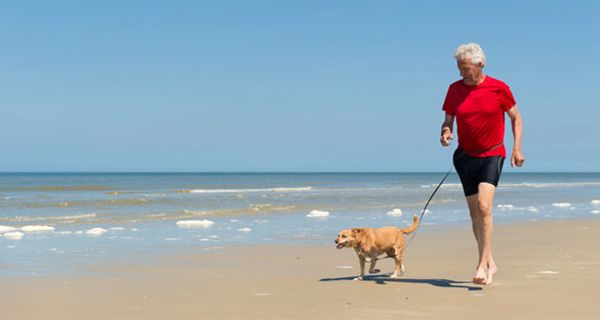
x: 397, y: 275
x: 375, y: 271
x: 357, y: 279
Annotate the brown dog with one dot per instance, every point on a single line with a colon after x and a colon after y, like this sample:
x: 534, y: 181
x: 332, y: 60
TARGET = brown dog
x: 369, y: 243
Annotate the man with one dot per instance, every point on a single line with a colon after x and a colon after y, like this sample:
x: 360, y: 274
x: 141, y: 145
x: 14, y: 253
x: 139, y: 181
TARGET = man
x: 478, y: 102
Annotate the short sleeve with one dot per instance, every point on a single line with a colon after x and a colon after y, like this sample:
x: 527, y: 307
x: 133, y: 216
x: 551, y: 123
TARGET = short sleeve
x: 448, y: 106
x: 508, y: 100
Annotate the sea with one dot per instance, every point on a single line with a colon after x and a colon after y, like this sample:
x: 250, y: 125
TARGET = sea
x: 57, y: 222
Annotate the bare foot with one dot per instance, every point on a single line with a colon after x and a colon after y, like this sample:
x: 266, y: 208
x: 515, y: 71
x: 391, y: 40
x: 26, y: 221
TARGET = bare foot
x: 480, y: 276
x: 492, y: 269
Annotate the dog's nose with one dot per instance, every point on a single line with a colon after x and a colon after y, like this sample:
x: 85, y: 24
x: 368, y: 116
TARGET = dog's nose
x: 335, y: 241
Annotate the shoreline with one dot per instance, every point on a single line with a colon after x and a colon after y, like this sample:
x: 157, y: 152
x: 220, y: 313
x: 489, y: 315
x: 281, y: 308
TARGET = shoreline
x: 548, y: 269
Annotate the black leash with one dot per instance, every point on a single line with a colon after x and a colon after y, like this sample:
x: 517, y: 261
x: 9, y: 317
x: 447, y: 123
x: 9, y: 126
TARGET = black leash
x: 421, y: 217
x: 425, y: 209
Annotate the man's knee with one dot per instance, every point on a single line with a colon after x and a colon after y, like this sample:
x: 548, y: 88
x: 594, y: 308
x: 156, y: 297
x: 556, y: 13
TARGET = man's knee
x: 485, y: 208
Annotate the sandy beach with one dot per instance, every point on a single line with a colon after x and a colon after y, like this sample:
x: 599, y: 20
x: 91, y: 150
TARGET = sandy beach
x: 548, y: 270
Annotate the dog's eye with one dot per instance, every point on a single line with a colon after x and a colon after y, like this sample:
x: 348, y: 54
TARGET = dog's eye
x: 343, y: 236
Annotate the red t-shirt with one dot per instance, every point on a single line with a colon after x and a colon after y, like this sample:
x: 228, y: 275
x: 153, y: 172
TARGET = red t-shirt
x: 479, y: 112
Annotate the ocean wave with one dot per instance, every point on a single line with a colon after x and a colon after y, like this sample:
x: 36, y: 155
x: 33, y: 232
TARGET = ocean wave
x: 91, y: 203
x: 549, y: 185
x: 65, y: 188
x: 300, y: 189
x: 524, y: 185
x: 58, y: 219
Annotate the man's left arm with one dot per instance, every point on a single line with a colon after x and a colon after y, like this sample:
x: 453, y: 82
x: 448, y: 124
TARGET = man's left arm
x: 517, y: 157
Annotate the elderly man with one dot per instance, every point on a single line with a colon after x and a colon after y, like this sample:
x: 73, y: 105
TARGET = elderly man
x: 478, y: 102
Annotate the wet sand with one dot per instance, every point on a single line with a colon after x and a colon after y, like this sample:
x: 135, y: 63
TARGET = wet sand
x: 548, y: 270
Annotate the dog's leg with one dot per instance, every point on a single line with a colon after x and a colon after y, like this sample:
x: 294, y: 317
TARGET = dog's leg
x: 361, y: 260
x: 372, y: 267
x: 399, y: 265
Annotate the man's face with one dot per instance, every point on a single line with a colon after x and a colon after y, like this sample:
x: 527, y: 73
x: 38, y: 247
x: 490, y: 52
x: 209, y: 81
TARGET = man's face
x: 468, y: 71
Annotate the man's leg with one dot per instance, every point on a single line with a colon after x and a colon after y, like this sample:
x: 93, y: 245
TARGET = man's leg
x: 480, y: 208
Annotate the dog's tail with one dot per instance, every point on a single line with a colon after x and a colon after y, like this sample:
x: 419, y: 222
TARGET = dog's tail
x: 413, y: 227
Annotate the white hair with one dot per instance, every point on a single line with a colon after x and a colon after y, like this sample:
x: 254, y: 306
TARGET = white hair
x: 471, y: 52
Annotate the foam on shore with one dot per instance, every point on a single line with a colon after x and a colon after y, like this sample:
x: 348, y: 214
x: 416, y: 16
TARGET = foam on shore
x: 5, y: 229
x: 505, y: 206
x: 203, y: 224
x: 14, y: 235
x: 561, y: 205
x: 318, y: 214
x: 37, y: 228
x: 96, y: 231
x: 395, y: 213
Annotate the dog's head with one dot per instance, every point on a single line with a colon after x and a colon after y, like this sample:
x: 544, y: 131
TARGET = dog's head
x: 349, y: 238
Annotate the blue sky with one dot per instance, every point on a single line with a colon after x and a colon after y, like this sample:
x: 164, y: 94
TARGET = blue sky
x: 284, y: 85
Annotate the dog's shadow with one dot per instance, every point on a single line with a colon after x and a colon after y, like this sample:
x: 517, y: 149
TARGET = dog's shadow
x: 385, y: 278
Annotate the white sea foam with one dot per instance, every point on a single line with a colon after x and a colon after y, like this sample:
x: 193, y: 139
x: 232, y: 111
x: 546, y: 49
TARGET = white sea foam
x: 395, y: 213
x: 172, y: 239
x: 506, y: 206
x: 533, y: 209
x: 244, y: 229
x: 203, y: 224
x: 117, y: 228
x: 596, y: 211
x: 318, y: 214
x: 250, y: 190
x: 595, y: 202
x: 5, y: 229
x: 96, y: 231
x: 14, y: 235
x: 37, y: 228
x: 561, y: 205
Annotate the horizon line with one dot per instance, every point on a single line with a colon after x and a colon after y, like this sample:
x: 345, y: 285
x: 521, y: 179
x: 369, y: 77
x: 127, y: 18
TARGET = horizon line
x: 264, y: 172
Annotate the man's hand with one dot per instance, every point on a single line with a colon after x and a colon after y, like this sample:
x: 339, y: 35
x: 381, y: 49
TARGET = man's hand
x: 517, y: 158
x: 446, y: 137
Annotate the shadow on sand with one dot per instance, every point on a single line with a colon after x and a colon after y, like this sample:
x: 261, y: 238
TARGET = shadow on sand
x: 385, y: 278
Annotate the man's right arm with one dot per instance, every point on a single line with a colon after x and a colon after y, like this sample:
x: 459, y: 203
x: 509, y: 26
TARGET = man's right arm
x: 446, y: 134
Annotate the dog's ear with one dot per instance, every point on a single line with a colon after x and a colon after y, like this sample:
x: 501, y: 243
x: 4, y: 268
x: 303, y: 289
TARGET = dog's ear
x: 358, y: 234
x: 356, y: 231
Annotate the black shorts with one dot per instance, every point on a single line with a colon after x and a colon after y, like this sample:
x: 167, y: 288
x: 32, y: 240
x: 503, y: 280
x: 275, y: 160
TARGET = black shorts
x: 473, y: 171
